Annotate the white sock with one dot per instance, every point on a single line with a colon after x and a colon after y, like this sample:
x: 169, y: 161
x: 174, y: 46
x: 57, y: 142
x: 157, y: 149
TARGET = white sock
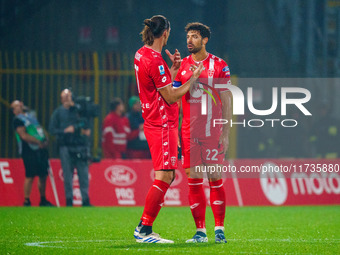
x: 204, y: 230
x: 219, y: 228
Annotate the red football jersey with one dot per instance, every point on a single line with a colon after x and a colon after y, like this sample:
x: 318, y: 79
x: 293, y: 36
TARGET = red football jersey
x: 195, y: 123
x: 152, y: 74
x: 116, y: 133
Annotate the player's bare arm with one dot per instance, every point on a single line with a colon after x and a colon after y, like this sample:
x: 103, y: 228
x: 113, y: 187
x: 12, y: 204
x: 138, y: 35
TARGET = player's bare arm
x: 26, y: 137
x: 172, y: 95
x: 226, y: 114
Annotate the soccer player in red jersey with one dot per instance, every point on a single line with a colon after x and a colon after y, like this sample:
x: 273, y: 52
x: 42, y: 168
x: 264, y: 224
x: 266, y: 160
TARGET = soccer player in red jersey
x: 204, y: 144
x: 160, y: 112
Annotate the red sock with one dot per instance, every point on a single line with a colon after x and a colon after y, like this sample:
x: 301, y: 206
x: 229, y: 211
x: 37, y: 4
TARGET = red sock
x: 154, y: 201
x: 197, y: 201
x: 217, y: 201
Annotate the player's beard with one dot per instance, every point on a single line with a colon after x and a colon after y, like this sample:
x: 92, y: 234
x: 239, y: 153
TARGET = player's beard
x: 196, y: 49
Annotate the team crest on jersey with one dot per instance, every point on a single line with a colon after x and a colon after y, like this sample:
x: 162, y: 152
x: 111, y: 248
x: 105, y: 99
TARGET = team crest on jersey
x: 161, y: 69
x: 211, y: 72
x: 173, y: 160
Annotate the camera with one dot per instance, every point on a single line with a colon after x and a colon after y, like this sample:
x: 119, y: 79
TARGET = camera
x: 86, y: 108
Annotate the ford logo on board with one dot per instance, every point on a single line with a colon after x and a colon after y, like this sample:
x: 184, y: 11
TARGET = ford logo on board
x: 120, y: 175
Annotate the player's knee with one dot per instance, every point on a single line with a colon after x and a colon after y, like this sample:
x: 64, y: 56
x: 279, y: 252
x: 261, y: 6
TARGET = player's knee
x: 167, y: 176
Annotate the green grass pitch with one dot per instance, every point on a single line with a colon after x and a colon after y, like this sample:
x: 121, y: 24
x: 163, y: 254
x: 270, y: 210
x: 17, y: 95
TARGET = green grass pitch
x: 101, y: 230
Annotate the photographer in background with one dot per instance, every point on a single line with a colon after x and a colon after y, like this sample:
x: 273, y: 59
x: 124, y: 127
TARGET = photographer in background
x: 32, y: 143
x: 72, y: 133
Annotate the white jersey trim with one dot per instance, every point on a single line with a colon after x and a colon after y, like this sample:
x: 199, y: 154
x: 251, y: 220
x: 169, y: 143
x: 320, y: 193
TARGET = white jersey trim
x: 164, y: 86
x: 209, y: 110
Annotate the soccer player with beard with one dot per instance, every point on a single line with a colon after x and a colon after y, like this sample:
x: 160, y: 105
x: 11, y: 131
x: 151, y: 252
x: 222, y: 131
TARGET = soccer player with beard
x: 160, y: 112
x: 202, y: 143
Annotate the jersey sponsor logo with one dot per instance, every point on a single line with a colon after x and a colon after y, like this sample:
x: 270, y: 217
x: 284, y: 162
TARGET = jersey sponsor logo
x: 184, y: 72
x: 161, y: 70
x: 194, y: 101
x: 164, y: 79
x: 120, y: 175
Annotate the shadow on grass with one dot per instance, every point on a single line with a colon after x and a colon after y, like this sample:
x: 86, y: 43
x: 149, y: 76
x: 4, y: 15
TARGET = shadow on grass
x: 152, y: 246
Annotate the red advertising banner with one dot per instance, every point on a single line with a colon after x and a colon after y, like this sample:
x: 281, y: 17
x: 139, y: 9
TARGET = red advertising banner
x: 126, y: 183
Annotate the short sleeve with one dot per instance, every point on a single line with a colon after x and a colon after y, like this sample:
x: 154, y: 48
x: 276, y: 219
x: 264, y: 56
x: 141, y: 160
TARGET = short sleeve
x: 224, y: 74
x: 160, y: 73
x: 17, y: 123
x: 225, y: 71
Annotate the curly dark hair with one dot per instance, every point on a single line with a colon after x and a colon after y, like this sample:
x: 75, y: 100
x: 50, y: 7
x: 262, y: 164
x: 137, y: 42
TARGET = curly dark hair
x: 203, y: 29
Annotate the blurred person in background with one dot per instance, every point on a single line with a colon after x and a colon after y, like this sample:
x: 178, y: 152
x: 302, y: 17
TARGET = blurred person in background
x: 160, y: 112
x: 138, y: 147
x: 73, y: 134
x: 116, y: 131
x: 32, y: 142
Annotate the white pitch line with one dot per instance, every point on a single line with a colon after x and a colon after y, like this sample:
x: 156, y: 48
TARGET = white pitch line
x: 48, y: 244
x: 236, y: 186
x: 286, y: 240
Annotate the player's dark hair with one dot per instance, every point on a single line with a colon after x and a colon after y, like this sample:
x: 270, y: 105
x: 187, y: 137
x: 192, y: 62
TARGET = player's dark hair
x: 196, y: 26
x: 154, y: 28
x: 114, y: 103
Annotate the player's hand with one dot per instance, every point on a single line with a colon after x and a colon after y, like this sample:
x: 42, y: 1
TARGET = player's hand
x: 179, y: 142
x: 197, y: 70
x: 69, y: 129
x: 175, y: 59
x: 223, y: 142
